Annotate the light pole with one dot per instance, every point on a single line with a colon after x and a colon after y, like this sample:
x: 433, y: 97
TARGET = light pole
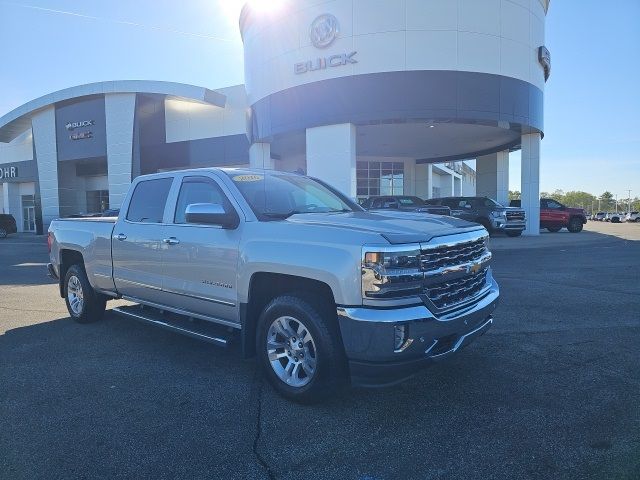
x: 616, y: 203
x: 629, y: 202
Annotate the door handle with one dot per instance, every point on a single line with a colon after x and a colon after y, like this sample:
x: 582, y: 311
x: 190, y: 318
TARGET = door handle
x: 171, y: 241
x: 121, y: 237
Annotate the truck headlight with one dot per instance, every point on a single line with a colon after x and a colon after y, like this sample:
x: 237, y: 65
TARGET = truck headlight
x: 495, y: 214
x: 391, y: 273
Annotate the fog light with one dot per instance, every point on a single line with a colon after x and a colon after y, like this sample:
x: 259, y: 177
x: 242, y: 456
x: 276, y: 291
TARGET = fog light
x: 400, y: 334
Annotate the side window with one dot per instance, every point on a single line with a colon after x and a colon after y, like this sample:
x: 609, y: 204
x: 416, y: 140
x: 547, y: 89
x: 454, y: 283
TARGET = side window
x: 390, y: 203
x: 197, y: 190
x: 148, y: 201
x: 553, y: 204
x: 376, y: 203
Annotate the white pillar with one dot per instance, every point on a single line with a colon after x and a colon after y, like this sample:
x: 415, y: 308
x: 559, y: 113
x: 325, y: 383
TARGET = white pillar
x: 43, y: 125
x: 429, y: 181
x: 119, y: 109
x: 260, y: 156
x: 422, y: 181
x: 492, y: 176
x: 331, y: 156
x: 530, y: 182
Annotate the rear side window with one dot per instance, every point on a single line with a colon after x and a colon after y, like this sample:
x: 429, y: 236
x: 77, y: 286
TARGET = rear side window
x: 148, y: 201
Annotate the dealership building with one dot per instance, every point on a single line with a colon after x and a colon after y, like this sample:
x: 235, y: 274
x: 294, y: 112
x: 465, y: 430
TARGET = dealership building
x: 375, y: 97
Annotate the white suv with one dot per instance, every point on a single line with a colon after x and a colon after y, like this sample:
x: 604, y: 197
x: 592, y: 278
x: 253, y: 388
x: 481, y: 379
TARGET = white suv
x: 633, y: 217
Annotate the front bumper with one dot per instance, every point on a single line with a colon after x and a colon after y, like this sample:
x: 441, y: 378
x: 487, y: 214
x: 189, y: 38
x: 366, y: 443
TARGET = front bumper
x: 499, y: 224
x: 368, y: 336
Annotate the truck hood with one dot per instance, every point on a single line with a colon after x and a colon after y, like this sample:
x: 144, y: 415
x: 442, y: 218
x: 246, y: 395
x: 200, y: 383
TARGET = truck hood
x: 394, y: 226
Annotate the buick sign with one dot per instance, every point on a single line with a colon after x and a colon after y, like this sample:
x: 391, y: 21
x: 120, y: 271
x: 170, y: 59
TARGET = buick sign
x: 325, y: 62
x: 73, y: 125
x: 324, y: 30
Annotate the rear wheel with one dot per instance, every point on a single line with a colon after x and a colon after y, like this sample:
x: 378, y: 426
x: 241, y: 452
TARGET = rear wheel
x: 554, y: 229
x: 513, y: 233
x: 83, y: 303
x: 575, y: 225
x: 299, y: 349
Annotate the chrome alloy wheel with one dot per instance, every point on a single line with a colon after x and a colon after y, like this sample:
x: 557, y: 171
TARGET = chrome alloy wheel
x: 75, y: 295
x: 292, y: 351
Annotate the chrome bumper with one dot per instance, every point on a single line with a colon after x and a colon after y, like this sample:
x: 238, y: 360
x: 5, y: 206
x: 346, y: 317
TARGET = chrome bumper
x: 368, y: 337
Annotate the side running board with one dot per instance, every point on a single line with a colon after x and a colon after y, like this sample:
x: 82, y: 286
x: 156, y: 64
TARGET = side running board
x: 200, y: 329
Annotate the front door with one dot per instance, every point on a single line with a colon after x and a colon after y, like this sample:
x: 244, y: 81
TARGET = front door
x: 200, y: 262
x: 28, y: 213
x: 137, y: 235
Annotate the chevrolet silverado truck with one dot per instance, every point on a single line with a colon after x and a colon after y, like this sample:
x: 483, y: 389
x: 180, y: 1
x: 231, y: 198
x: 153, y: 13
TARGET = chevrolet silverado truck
x: 318, y: 289
x: 403, y: 203
x: 487, y: 212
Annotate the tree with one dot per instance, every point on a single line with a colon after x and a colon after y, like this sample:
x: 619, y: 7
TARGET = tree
x: 514, y: 195
x: 607, y: 201
x: 558, y: 195
x: 579, y: 199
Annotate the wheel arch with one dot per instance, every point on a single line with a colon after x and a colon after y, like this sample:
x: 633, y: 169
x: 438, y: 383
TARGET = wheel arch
x: 68, y: 257
x: 265, y: 286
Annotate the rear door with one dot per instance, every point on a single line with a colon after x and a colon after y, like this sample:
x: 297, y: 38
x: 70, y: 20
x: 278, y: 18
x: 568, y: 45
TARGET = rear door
x: 137, y: 262
x: 201, y: 261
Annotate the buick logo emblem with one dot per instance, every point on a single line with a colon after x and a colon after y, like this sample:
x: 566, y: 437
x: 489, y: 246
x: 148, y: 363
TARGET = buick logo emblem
x: 324, y: 30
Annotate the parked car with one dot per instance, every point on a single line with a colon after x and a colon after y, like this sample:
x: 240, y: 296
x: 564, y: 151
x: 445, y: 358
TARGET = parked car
x: 616, y: 217
x: 7, y: 225
x: 633, y: 217
x: 403, y: 203
x: 485, y: 211
x: 600, y: 216
x: 554, y: 216
x: 317, y: 288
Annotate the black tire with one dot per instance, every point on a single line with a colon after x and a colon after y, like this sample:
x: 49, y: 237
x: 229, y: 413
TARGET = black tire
x: 330, y: 362
x: 3, y: 232
x: 575, y: 225
x: 513, y: 233
x: 554, y: 229
x: 638, y: 220
x: 486, y: 224
x: 92, y: 306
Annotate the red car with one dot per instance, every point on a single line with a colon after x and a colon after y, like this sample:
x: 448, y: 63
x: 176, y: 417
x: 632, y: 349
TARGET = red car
x: 554, y: 216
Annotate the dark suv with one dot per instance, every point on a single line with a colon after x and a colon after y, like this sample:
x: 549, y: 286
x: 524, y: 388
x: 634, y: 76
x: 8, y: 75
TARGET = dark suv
x: 404, y: 203
x: 7, y: 225
x: 487, y: 212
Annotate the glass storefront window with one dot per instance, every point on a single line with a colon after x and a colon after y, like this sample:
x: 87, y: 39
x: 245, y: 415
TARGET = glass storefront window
x: 97, y: 201
x: 28, y: 213
x: 379, y: 178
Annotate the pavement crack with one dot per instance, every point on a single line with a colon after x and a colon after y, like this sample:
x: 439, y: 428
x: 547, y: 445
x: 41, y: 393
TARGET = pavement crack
x: 256, y: 439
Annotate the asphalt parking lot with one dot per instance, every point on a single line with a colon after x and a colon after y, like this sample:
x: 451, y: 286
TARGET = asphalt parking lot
x: 552, y: 391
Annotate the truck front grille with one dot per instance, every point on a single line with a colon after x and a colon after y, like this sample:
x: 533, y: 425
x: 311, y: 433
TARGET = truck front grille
x: 515, y: 216
x: 448, y: 294
x: 451, y: 255
x: 455, y: 272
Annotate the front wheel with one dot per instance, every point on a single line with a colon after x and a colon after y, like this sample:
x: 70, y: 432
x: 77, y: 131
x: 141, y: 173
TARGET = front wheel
x: 83, y: 303
x: 299, y: 349
x: 554, y: 229
x: 575, y: 225
x: 513, y: 233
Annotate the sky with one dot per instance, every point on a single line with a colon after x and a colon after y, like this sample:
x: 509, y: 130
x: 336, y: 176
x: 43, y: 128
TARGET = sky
x: 592, y: 99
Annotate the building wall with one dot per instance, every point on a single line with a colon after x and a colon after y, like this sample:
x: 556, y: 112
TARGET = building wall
x: 498, y: 37
x: 18, y: 150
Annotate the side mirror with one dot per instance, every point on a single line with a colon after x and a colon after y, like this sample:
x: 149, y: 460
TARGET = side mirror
x: 211, y: 214
x: 467, y: 206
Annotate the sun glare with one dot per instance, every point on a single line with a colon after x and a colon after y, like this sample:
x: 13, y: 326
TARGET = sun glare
x: 232, y: 8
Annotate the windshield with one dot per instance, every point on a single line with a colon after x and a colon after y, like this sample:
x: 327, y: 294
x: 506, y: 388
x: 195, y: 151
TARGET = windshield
x: 274, y: 196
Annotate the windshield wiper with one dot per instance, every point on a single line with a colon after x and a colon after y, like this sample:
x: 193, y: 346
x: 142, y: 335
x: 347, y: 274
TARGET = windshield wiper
x: 281, y: 215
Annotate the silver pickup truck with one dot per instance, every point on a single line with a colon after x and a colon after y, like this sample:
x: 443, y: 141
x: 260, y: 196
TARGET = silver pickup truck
x: 318, y: 289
